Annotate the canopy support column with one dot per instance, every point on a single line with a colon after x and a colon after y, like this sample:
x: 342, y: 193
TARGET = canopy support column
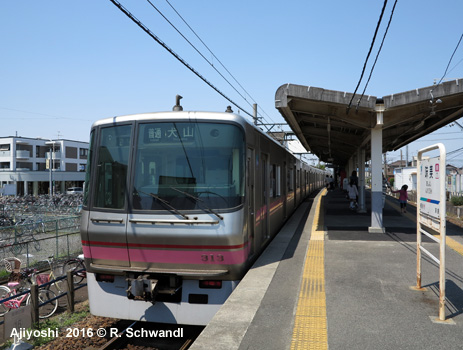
x: 377, y: 225
x: 361, y: 176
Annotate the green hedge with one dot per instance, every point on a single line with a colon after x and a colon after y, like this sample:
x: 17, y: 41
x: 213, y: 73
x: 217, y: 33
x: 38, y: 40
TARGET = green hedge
x: 456, y: 201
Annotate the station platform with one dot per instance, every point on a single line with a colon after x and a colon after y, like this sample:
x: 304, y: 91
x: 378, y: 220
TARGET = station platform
x: 325, y: 282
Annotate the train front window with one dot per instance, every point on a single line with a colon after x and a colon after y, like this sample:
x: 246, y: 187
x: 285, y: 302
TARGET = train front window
x: 89, y: 169
x: 189, y: 166
x: 112, y: 164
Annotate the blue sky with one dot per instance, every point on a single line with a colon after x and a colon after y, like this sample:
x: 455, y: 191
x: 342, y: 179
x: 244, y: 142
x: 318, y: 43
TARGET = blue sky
x: 68, y: 63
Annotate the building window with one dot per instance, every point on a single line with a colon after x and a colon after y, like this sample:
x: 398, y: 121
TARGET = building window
x: 71, y: 167
x: 71, y: 152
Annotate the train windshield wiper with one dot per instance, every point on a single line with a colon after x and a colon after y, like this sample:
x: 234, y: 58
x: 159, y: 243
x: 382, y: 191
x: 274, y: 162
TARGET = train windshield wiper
x: 166, y: 204
x: 199, y: 200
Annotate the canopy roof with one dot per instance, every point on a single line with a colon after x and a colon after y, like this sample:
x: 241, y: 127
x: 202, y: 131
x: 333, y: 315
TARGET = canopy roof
x: 326, y: 127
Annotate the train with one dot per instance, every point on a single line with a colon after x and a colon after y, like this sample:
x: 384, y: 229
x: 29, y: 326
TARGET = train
x: 177, y: 207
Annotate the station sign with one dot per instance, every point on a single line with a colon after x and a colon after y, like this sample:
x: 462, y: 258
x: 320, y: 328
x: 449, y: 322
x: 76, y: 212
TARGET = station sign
x: 430, y: 190
x: 431, y: 213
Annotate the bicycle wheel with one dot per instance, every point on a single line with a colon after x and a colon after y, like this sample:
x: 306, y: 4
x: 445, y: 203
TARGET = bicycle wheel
x: 59, y: 287
x: 73, y: 266
x: 17, y: 248
x: 48, y: 309
x: 4, y: 293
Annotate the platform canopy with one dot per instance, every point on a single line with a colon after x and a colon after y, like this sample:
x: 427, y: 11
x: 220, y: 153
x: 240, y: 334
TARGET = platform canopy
x: 327, y: 128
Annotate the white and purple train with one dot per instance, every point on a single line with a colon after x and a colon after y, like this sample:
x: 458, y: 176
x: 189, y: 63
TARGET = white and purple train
x: 177, y: 207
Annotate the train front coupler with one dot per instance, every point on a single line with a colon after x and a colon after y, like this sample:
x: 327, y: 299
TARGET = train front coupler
x: 142, y: 288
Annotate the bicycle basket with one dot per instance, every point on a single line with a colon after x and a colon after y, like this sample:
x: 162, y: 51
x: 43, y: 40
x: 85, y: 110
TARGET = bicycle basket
x: 12, y: 264
x: 42, y: 279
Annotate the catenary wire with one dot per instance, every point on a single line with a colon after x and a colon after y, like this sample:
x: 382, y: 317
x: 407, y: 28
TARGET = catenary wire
x: 213, y: 55
x: 199, y: 52
x: 368, y: 55
x: 173, y: 53
x: 207, y: 47
x: 451, y: 58
x: 379, y: 51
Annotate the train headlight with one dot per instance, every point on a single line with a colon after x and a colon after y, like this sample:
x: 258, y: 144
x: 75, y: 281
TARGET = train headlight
x: 104, y: 278
x: 210, y: 284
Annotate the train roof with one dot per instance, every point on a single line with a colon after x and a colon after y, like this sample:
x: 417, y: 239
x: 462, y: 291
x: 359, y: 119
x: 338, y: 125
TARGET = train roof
x: 175, y: 115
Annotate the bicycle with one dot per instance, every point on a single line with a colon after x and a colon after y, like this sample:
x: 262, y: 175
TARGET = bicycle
x: 51, y: 276
x: 77, y: 266
x: 19, y: 293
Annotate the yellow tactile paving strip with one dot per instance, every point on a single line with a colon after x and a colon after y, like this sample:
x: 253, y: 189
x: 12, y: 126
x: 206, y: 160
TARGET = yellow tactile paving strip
x: 450, y: 242
x: 310, y: 325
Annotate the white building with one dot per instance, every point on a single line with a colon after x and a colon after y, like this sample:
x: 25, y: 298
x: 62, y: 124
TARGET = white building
x: 24, y: 162
x: 405, y: 176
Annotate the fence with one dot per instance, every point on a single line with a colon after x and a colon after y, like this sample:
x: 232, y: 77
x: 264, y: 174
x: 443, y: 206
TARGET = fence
x: 454, y: 185
x: 451, y: 209
x: 69, y: 294
x: 455, y: 211
x: 35, y: 241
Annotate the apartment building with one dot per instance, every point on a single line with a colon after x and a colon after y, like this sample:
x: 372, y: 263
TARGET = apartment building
x: 34, y: 165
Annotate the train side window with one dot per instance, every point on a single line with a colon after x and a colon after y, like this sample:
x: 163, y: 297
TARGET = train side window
x: 275, y: 179
x: 272, y: 181
x: 112, y: 164
x: 290, y: 179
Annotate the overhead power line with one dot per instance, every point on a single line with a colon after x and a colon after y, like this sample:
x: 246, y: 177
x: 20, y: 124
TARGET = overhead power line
x: 173, y: 53
x: 379, y: 51
x: 199, y: 52
x: 451, y: 58
x: 368, y: 55
x: 213, y: 55
x: 207, y: 47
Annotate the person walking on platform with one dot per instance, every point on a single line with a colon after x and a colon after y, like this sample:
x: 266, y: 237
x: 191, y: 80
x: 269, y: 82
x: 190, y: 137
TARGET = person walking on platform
x: 403, y: 197
x: 352, y: 192
x: 354, y: 178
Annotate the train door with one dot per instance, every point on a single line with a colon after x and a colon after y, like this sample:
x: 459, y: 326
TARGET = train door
x: 285, y: 190
x: 107, y: 220
x: 264, y: 194
x: 294, y: 186
x: 251, y: 221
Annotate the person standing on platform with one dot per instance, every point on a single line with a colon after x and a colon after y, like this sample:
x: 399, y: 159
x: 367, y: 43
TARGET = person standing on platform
x: 403, y: 197
x: 353, y: 193
x: 354, y: 178
x: 327, y: 181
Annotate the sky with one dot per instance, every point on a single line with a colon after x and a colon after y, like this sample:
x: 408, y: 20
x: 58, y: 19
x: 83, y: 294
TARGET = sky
x: 66, y: 64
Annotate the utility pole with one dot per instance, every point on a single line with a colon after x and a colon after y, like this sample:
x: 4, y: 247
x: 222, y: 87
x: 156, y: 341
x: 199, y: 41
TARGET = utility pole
x: 254, y: 107
x: 406, y: 155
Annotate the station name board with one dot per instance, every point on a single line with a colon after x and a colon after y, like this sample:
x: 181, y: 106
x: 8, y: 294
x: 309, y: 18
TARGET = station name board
x: 429, y: 200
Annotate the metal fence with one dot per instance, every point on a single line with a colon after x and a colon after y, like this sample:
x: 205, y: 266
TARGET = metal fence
x: 451, y: 209
x: 454, y: 185
x: 34, y: 241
